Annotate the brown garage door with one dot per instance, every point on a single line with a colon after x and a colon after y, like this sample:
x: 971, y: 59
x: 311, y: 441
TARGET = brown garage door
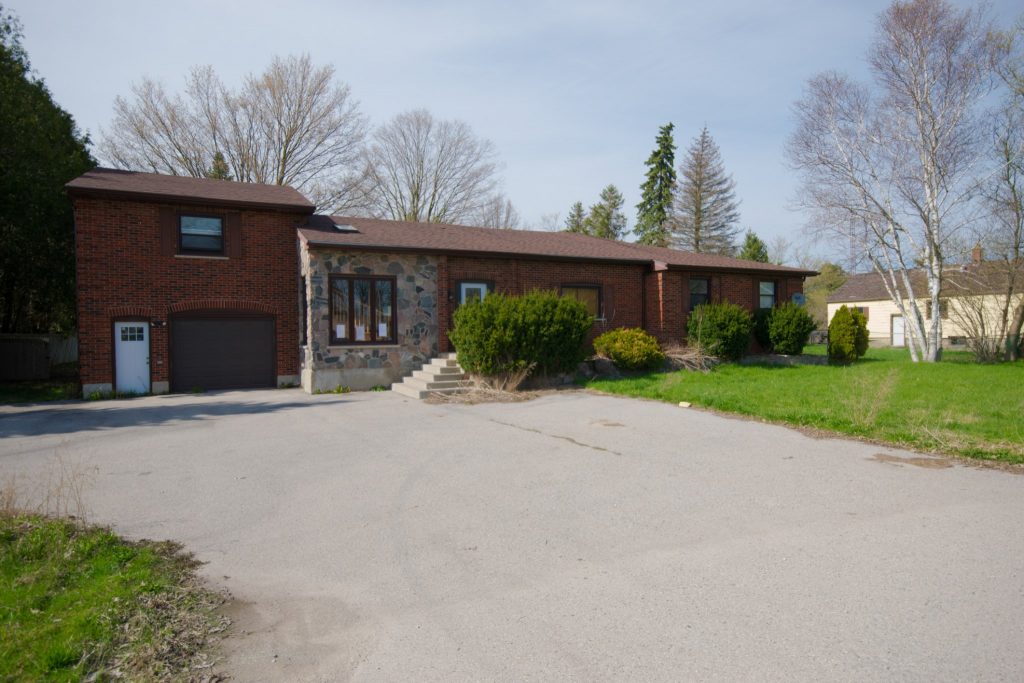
x: 222, y: 352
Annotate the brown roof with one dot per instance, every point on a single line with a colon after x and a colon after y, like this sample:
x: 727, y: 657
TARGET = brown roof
x: 371, y: 233
x: 982, y: 278
x: 104, y: 182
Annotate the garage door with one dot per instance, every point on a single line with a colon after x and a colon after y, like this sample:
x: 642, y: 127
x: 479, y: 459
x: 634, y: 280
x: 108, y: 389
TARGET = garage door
x: 224, y: 352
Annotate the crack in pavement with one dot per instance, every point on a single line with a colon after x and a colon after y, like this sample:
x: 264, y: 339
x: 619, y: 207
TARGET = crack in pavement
x: 571, y: 440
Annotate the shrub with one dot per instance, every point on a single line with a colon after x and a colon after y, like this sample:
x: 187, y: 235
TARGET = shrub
x: 630, y: 349
x: 789, y: 327
x: 847, y: 336
x: 760, y: 322
x: 506, y: 334
x: 723, y: 330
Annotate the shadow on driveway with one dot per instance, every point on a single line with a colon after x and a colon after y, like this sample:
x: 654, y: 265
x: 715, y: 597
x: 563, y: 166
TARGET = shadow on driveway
x: 65, y: 419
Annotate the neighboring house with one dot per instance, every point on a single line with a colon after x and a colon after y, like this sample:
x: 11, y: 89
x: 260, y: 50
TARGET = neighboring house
x: 187, y: 283
x: 969, y: 292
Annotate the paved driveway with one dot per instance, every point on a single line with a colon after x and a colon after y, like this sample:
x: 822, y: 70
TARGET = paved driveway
x: 575, y: 536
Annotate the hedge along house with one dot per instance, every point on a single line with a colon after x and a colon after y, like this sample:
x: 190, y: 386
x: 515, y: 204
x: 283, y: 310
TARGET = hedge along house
x: 190, y: 284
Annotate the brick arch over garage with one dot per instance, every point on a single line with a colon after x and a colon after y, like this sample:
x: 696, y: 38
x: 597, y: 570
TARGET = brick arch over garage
x: 222, y: 304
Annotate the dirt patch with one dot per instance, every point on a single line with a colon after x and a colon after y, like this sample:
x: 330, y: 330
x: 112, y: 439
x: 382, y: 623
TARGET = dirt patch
x: 927, y: 463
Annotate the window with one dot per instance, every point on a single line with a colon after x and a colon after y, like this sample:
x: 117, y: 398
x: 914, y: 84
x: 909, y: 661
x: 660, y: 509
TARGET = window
x: 588, y: 295
x: 766, y: 292
x: 863, y: 311
x: 943, y: 309
x: 700, y: 291
x: 133, y: 334
x: 201, y: 234
x: 362, y: 310
x: 473, y: 291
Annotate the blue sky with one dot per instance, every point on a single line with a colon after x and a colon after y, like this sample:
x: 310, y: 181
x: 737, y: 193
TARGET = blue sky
x: 572, y: 93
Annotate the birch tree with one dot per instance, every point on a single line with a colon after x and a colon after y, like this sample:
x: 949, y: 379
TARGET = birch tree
x: 895, y: 165
x: 417, y: 168
x: 293, y: 124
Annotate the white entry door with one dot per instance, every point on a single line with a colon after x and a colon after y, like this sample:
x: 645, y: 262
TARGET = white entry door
x: 131, y: 356
x: 899, y: 338
x: 472, y: 291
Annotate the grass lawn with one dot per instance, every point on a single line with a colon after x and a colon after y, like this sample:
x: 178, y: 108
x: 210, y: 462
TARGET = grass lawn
x: 956, y: 406
x: 63, y: 384
x: 79, y: 603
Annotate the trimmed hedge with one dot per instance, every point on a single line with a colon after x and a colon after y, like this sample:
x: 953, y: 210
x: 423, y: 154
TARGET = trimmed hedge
x: 847, y: 336
x: 630, y: 349
x: 722, y: 330
x: 504, y: 334
x: 789, y: 327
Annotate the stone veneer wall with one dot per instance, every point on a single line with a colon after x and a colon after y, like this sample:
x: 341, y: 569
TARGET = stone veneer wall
x: 325, y: 367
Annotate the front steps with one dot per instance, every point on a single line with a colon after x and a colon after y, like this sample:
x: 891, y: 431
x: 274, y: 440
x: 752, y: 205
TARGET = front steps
x: 442, y: 375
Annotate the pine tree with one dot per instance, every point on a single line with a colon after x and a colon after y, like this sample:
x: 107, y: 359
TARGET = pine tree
x: 705, y: 210
x: 656, y: 192
x: 606, y: 218
x: 574, y: 222
x: 41, y: 148
x: 219, y: 168
x: 754, y: 248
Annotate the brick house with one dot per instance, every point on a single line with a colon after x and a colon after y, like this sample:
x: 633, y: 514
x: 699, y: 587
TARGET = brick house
x: 187, y: 283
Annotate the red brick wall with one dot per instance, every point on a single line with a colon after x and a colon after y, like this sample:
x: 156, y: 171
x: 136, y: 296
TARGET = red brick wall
x: 122, y: 273
x: 633, y: 297
x: 621, y: 285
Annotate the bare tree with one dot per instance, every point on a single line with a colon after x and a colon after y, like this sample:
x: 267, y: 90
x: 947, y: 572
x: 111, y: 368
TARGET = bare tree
x: 293, y: 124
x: 990, y: 308
x: 420, y: 169
x: 497, y: 212
x: 896, y: 167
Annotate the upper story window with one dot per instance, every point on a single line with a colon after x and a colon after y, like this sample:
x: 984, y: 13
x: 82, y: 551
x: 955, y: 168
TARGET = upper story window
x: 200, y: 234
x: 767, y: 294
x: 588, y: 295
x: 362, y: 310
x: 700, y: 291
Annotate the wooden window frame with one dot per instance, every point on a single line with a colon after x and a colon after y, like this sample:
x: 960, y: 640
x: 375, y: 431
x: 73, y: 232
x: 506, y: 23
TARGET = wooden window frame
x: 393, y: 329
x: 587, y: 285
x: 775, y: 294
x: 863, y: 311
x: 689, y: 292
x: 203, y: 252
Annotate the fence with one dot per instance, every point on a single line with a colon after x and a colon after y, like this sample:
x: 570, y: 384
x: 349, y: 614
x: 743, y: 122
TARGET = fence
x: 30, y: 356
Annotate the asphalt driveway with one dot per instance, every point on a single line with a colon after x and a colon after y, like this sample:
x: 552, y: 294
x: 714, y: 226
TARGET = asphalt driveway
x: 576, y: 536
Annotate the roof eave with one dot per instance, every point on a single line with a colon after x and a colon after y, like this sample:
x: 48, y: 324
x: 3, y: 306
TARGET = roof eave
x: 94, y: 193
x: 313, y: 242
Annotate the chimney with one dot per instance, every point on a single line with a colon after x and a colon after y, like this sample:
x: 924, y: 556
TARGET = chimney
x: 977, y: 255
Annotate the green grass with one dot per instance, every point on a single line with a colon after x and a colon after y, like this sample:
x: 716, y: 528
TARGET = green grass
x: 63, y: 384
x: 956, y: 406
x: 78, y: 601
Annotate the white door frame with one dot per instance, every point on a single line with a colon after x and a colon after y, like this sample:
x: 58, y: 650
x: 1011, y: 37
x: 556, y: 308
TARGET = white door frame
x: 132, y: 372
x: 473, y: 284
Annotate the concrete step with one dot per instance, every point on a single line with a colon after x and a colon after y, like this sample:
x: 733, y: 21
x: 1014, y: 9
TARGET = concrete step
x: 442, y: 363
x: 432, y: 376
x: 424, y: 385
x: 447, y: 356
x: 442, y: 369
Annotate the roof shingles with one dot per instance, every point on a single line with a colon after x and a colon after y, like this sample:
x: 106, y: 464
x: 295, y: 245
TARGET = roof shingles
x: 370, y: 233
x: 156, y: 187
